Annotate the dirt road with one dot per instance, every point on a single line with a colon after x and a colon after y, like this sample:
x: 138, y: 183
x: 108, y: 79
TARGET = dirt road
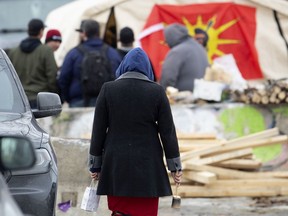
x: 236, y: 206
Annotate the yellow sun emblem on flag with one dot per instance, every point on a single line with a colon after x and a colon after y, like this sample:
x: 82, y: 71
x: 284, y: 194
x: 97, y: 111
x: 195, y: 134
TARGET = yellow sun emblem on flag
x: 213, y: 33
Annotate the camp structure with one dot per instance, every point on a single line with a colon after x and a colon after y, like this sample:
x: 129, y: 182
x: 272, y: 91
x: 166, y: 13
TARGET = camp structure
x: 254, y: 31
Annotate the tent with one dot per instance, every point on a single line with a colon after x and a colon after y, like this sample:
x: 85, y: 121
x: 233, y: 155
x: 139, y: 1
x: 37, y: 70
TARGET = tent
x: 270, y: 39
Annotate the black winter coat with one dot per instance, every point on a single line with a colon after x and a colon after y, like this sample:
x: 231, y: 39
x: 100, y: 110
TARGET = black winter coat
x: 130, y: 115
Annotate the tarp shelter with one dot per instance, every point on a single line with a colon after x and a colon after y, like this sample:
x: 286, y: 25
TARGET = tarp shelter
x: 269, y: 20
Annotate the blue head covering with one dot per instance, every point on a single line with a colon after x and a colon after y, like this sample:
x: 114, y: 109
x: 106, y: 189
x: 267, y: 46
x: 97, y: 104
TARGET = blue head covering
x: 136, y: 60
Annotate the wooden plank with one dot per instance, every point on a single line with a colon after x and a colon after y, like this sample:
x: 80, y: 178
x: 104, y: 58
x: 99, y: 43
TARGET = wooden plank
x: 235, y: 174
x: 188, y: 148
x: 230, y: 146
x: 246, y: 164
x: 201, y: 142
x: 252, y: 144
x: 181, y: 135
x: 273, y: 182
x: 193, y: 146
x: 225, y: 156
x: 280, y: 174
x: 201, y: 177
x: 255, y: 136
x: 186, y: 191
x: 221, y: 172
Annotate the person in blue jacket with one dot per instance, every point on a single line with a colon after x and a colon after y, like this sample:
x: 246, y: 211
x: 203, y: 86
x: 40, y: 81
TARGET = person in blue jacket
x: 70, y: 75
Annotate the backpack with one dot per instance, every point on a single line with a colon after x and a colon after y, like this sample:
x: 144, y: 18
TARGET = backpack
x: 95, y: 71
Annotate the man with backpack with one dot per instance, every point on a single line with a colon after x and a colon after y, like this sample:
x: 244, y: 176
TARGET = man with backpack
x: 87, y: 67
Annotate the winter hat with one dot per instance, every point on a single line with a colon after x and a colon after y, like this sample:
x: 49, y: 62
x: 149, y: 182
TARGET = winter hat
x: 126, y: 35
x: 53, y: 35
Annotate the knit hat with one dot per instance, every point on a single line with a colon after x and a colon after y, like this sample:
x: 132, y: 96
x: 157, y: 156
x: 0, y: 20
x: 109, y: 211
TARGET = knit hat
x: 34, y: 27
x: 53, y: 35
x: 126, y: 35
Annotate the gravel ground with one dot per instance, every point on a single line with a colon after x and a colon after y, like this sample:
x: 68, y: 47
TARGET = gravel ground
x: 242, y: 206
x: 236, y: 206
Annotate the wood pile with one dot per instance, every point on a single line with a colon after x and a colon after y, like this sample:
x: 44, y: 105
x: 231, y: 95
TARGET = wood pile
x: 221, y: 168
x: 273, y: 92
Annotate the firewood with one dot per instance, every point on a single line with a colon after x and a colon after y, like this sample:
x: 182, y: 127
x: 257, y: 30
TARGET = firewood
x: 256, y: 98
x: 282, y: 95
x: 276, y: 89
x: 272, y: 98
x: 265, y: 100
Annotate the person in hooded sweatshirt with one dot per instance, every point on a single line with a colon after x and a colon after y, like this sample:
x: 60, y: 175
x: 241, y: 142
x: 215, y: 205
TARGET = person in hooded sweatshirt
x: 126, y: 151
x: 186, y: 60
x: 34, y: 63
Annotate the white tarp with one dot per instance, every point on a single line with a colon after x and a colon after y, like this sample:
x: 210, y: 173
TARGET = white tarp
x: 271, y: 47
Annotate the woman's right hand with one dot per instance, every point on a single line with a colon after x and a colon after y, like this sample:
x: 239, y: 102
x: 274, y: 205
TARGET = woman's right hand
x: 95, y: 175
x: 177, y: 176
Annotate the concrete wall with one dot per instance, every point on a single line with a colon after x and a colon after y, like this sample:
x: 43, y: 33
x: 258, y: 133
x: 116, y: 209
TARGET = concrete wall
x: 74, y: 176
x: 71, y: 132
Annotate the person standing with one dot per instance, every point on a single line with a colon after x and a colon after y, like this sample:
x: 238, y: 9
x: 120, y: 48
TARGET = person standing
x: 34, y: 63
x: 70, y: 76
x: 126, y: 153
x: 186, y: 60
x: 201, y: 37
x: 126, y: 41
x: 81, y: 32
x: 53, y: 39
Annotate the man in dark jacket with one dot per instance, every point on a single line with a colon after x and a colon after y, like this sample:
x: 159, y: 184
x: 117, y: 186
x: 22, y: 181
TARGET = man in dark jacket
x: 70, y: 75
x: 126, y: 41
x: 35, y: 63
x: 186, y: 61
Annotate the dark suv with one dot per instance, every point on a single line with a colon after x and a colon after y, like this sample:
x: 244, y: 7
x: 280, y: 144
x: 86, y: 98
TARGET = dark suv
x: 34, y: 189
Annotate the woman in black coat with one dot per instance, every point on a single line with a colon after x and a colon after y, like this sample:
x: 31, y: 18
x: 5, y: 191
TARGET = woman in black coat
x: 132, y: 126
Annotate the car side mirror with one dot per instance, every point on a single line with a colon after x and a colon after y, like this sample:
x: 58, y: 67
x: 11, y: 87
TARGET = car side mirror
x: 16, y: 153
x: 48, y: 104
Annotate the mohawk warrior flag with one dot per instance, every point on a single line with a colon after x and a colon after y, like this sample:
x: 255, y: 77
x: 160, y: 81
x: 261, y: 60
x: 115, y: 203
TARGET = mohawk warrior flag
x: 231, y: 29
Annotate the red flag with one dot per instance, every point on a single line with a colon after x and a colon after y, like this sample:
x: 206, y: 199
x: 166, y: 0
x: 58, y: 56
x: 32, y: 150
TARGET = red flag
x: 231, y: 29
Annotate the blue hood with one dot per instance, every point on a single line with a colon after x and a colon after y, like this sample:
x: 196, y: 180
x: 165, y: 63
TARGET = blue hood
x: 136, y: 60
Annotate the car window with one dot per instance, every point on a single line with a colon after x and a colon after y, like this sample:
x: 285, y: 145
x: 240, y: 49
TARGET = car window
x: 9, y: 94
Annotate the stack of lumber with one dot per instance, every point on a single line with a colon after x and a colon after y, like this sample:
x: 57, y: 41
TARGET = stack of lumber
x: 221, y: 168
x: 273, y: 92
